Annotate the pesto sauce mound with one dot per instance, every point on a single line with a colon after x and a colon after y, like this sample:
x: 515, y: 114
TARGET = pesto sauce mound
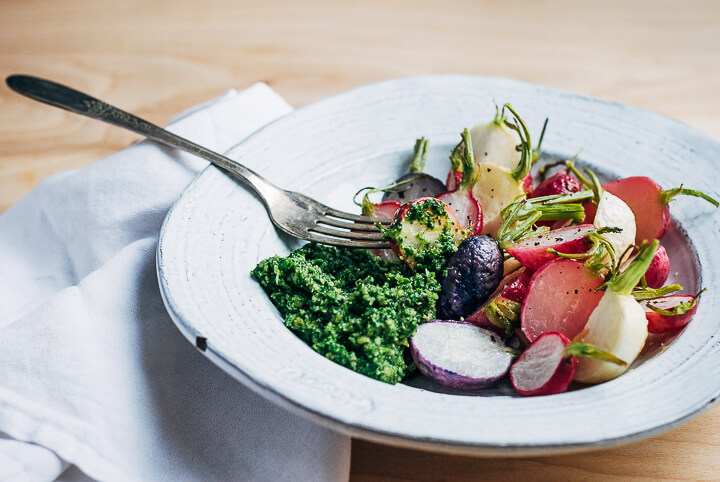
x: 354, y: 308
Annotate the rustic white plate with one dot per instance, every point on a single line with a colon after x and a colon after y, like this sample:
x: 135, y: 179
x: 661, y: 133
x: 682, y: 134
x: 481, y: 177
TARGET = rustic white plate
x: 218, y: 231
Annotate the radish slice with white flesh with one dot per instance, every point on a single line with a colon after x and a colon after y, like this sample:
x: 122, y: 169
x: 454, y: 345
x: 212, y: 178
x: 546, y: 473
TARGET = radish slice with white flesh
x: 461, y: 199
x: 669, y: 313
x: 547, y: 366
x: 649, y: 202
x: 497, y: 184
x: 612, y: 212
x: 534, y: 252
x: 618, y: 324
x: 459, y: 354
x: 561, y: 297
x: 383, y: 210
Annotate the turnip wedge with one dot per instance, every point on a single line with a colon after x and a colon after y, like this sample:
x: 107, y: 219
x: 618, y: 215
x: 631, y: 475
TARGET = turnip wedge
x: 415, y: 184
x: 650, y: 202
x: 547, y: 366
x: 535, y: 251
x: 670, y: 313
x: 561, y: 297
x: 497, y: 184
x: 618, y: 324
x: 461, y: 199
x: 424, y: 232
x: 459, y: 354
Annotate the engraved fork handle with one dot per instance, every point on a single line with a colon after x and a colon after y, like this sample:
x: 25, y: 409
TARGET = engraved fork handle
x: 66, y: 98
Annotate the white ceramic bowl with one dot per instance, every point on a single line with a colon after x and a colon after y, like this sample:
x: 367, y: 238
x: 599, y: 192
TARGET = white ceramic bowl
x: 217, y: 232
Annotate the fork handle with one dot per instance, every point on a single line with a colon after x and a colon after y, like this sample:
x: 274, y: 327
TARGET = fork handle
x: 75, y: 101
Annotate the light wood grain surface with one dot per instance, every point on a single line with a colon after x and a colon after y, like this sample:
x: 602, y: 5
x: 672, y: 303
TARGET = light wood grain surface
x: 157, y: 58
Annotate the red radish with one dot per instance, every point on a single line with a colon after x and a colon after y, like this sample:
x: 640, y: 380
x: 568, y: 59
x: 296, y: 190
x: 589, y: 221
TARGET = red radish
x: 459, y: 354
x: 547, y: 366
x: 453, y: 180
x: 461, y: 199
x: 502, y: 311
x: 533, y: 252
x: 383, y: 210
x: 560, y: 298
x: 659, y: 270
x: 669, y: 313
x: 559, y: 183
x: 649, y: 202
x: 617, y: 325
x: 418, y: 225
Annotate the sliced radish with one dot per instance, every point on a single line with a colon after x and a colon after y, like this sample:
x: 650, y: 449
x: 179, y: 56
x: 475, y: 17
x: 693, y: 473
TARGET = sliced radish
x: 383, y: 210
x: 671, y: 312
x: 612, y: 212
x: 419, y: 225
x: 459, y: 354
x: 649, y: 202
x: 534, y: 252
x: 618, y: 324
x: 560, y: 298
x: 547, y: 366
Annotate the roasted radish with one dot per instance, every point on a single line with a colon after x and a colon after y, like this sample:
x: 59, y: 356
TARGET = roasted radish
x: 618, y: 324
x: 415, y: 184
x: 461, y: 199
x: 535, y: 251
x: 659, y: 270
x: 649, y: 202
x: 496, y: 143
x: 612, y: 212
x: 670, y: 313
x: 459, y: 354
x: 472, y: 274
x: 501, y: 313
x: 547, y: 366
x: 560, y: 298
x: 559, y: 183
x: 383, y: 210
x: 424, y: 232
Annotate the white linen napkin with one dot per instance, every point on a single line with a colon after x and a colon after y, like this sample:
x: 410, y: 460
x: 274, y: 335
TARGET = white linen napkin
x: 92, y: 370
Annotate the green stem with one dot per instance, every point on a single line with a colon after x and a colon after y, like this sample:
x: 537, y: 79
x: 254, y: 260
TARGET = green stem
x: 526, y: 156
x: 624, y: 283
x: 573, y: 170
x: 536, y: 152
x: 641, y: 294
x: 419, y: 156
x: 668, y: 195
x: 470, y: 168
x: 591, y: 351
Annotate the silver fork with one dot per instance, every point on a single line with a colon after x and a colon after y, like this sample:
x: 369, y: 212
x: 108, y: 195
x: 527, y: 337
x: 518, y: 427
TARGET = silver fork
x: 292, y: 212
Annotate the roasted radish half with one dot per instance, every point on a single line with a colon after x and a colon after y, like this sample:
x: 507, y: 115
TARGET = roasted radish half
x: 670, y: 313
x: 415, y: 184
x: 535, y: 251
x: 459, y: 354
x: 547, y: 366
x: 612, y: 212
x: 618, y: 324
x: 425, y: 231
x: 383, y: 210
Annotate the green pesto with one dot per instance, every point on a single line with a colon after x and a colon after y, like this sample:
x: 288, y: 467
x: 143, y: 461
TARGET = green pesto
x: 354, y: 308
x: 428, y: 213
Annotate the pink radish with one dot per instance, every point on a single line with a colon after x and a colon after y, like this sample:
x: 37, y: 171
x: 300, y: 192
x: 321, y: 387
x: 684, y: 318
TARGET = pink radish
x: 649, y: 202
x: 559, y: 183
x: 547, y: 366
x: 418, y: 226
x: 659, y: 270
x: 461, y: 199
x: 533, y: 252
x: 459, y: 354
x: 561, y: 297
x: 669, y: 313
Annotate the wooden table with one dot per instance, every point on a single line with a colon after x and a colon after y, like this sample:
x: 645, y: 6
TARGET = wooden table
x: 157, y: 58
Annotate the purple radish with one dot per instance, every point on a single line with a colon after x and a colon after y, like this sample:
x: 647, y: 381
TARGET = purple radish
x: 461, y: 199
x: 415, y: 184
x: 561, y: 297
x: 534, y: 252
x: 548, y: 365
x: 459, y: 354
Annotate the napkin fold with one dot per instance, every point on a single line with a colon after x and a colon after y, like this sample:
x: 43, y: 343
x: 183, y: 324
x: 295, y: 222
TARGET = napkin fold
x: 92, y: 371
